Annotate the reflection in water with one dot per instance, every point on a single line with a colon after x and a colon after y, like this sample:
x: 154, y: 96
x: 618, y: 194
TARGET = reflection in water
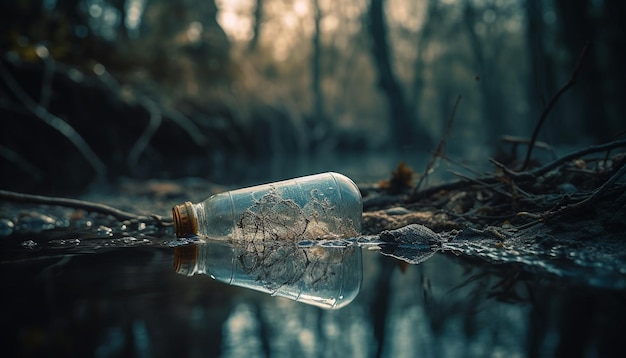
x: 319, y: 275
x: 129, y: 302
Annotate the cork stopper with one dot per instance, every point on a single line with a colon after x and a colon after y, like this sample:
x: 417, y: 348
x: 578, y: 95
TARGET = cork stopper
x: 185, y: 221
x: 185, y: 259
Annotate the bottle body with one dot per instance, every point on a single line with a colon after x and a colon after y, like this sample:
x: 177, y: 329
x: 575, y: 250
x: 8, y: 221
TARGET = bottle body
x: 321, y: 206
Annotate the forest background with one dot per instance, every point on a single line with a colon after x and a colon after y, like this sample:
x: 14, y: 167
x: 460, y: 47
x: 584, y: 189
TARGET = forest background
x: 234, y: 91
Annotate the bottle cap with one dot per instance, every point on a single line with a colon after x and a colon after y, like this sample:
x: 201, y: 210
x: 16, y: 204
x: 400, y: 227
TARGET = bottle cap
x: 185, y: 222
x: 185, y: 259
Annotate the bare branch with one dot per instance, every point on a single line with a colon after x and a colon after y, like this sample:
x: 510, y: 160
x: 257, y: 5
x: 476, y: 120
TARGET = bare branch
x: 144, y: 139
x: 187, y: 125
x: 553, y: 101
x: 554, y: 164
x: 597, y: 194
x: 53, y: 121
x: 441, y: 147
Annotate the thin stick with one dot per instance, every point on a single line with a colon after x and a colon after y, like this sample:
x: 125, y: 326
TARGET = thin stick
x: 439, y: 152
x: 554, y: 164
x: 528, y: 175
x: 79, y: 204
x: 553, y: 101
x: 144, y: 139
x: 489, y: 186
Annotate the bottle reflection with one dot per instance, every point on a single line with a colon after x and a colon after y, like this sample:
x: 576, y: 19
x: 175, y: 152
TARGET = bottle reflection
x: 323, y: 276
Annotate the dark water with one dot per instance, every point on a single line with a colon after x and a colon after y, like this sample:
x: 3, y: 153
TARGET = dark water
x: 104, y: 298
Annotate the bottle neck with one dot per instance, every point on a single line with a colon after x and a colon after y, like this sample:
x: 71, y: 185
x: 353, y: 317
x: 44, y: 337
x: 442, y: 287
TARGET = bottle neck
x: 185, y: 219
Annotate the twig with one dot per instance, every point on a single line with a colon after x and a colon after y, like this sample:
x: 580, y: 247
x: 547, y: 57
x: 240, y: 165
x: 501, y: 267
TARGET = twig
x: 154, y: 113
x: 553, y: 101
x: 462, y: 165
x: 441, y: 147
x: 608, y: 152
x: 486, y: 185
x: 435, y: 189
x: 528, y: 175
x: 515, y: 141
x: 145, y: 137
x: 80, y: 204
x: 523, y: 176
x: 156, y: 118
x: 53, y: 121
x: 597, y: 194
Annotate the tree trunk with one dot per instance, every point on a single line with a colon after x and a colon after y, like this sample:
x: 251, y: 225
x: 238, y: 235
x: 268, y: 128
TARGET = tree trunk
x: 421, y: 44
x: 588, y: 109
x: 319, y: 123
x: 403, y: 130
x: 256, y: 29
x: 492, y: 113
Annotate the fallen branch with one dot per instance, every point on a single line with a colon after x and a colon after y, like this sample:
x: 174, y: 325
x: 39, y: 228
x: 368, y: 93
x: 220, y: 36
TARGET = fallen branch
x: 81, y: 204
x: 532, y: 174
x: 597, y: 194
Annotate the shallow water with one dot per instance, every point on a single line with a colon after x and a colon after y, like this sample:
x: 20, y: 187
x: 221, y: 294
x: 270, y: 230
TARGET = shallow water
x: 120, y: 296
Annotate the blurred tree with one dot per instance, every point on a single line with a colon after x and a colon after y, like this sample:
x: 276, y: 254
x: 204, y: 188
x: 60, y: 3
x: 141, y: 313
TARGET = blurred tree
x: 320, y: 124
x: 256, y: 27
x: 535, y: 28
x: 613, y: 15
x: 578, y: 27
x: 404, y: 132
x: 557, y: 33
x: 422, y: 41
x: 485, y: 66
x: 76, y: 81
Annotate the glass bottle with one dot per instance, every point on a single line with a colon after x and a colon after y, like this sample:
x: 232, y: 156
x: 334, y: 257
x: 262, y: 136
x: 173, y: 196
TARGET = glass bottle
x: 327, y: 277
x: 321, y: 206
x: 267, y: 238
